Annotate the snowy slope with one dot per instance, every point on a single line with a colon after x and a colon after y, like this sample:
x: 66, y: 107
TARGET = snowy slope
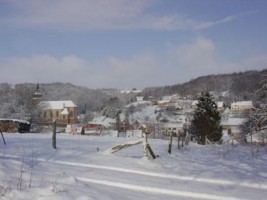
x: 76, y: 170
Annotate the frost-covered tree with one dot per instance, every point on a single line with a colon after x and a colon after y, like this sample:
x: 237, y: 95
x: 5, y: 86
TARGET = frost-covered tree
x: 109, y: 112
x: 256, y: 121
x: 206, y: 119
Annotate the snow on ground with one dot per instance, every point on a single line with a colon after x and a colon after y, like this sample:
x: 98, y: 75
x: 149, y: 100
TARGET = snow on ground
x: 77, y: 170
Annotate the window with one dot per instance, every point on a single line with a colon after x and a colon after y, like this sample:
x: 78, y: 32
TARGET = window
x: 51, y: 114
x: 57, y: 114
x: 71, y: 113
x: 44, y: 114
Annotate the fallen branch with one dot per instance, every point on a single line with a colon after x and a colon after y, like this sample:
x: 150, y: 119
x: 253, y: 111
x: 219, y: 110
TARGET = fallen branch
x: 123, y: 146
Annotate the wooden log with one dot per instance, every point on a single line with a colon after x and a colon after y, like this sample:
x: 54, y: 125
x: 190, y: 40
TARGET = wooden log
x: 123, y: 146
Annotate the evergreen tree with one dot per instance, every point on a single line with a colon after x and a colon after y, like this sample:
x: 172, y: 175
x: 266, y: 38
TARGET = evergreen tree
x: 207, y: 119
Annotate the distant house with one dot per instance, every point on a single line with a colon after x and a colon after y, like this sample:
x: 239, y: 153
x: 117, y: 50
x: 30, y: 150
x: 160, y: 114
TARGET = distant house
x: 139, y: 98
x: 172, y: 127
x: 92, y: 129
x: 194, y: 104
x: 241, y: 106
x: 221, y: 106
x: 233, y: 126
x: 173, y: 105
x: 163, y: 103
x: 152, y: 100
x: 65, y: 112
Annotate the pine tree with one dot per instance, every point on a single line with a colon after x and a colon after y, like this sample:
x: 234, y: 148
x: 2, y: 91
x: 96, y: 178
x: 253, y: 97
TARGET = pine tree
x: 207, y: 119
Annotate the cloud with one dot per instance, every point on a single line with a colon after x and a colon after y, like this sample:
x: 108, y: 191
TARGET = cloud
x: 208, y: 24
x: 200, y: 57
x: 42, y: 68
x: 112, y: 72
x: 83, y: 14
x: 177, y: 64
x: 199, y: 53
x: 86, y: 15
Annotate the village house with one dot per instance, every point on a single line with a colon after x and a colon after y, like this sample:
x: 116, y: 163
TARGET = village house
x: 92, y: 129
x: 173, y: 125
x: 173, y: 105
x: 241, y: 106
x: 221, y: 106
x: 171, y: 128
x: 163, y: 103
x: 194, y: 104
x: 232, y: 126
x: 139, y: 98
x: 170, y: 102
x: 64, y: 112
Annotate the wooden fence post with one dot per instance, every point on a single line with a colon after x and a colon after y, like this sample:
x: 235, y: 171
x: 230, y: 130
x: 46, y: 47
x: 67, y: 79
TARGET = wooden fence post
x: 54, y: 140
x: 3, y: 137
x: 170, y: 144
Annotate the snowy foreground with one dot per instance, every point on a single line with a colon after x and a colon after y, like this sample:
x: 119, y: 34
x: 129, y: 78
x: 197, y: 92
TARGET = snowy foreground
x: 31, y: 169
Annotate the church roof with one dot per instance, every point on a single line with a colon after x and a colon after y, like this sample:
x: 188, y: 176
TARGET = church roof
x: 56, y: 105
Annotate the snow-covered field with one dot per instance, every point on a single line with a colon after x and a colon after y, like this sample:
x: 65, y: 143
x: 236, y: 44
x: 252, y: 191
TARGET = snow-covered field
x: 31, y: 169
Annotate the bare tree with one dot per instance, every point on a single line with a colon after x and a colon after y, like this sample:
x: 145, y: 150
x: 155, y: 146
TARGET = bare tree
x: 256, y: 121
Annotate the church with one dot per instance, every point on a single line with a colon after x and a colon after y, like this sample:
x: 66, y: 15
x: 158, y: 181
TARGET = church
x: 63, y: 111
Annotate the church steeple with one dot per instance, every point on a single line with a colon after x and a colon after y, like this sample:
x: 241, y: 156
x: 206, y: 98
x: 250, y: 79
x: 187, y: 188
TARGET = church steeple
x: 37, y: 95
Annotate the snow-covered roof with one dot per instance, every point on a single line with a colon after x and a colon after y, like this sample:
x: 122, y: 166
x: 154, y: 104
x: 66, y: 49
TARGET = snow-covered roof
x: 130, y: 91
x: 56, y: 105
x: 139, y: 98
x: 234, y: 121
x: 194, y: 103
x: 163, y: 101
x: 15, y: 120
x: 104, y: 121
x: 242, y: 103
x: 173, y: 125
x: 220, y: 104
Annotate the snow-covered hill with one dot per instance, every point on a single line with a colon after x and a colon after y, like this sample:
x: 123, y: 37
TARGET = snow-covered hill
x: 81, y: 169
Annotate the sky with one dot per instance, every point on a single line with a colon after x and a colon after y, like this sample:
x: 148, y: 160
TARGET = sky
x: 129, y: 44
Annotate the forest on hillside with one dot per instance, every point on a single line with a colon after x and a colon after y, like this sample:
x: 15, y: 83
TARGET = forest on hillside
x: 15, y: 100
x: 225, y: 87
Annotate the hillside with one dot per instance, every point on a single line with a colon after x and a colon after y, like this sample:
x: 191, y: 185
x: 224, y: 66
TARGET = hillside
x: 14, y: 99
x: 227, y: 87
